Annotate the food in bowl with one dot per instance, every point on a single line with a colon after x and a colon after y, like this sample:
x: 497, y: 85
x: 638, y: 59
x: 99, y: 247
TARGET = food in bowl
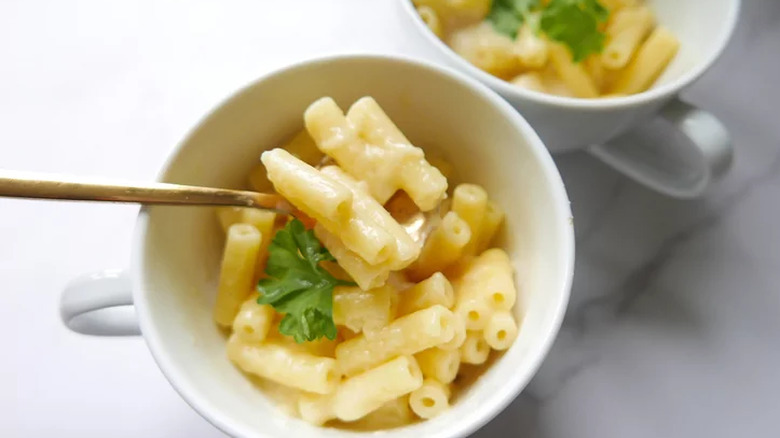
x: 571, y: 48
x: 341, y: 313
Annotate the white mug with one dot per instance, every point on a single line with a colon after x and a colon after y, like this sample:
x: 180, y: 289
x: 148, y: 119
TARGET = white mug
x: 177, y: 250
x: 652, y: 137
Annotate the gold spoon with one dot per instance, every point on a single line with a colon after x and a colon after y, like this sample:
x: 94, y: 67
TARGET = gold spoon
x: 43, y: 186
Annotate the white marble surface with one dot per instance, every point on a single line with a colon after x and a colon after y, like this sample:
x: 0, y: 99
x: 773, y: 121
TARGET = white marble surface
x: 674, y: 325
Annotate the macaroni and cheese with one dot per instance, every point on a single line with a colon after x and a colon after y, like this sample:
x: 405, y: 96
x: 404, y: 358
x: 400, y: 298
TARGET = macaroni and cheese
x: 360, y: 325
x: 584, y: 49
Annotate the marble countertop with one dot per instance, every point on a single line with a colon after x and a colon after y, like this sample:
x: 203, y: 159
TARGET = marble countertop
x: 674, y: 324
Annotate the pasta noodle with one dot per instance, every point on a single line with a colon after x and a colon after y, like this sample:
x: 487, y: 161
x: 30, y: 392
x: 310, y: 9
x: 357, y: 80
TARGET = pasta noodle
x: 501, y: 330
x: 531, y: 50
x: 316, y: 409
x: 459, y: 337
x: 359, y: 395
x: 444, y: 246
x: 319, y: 409
x: 262, y: 220
x: 228, y: 216
x: 625, y: 32
x: 457, y: 12
x: 469, y: 202
x: 365, y: 275
x: 573, y: 75
x: 322, y: 347
x: 253, y: 320
x: 648, y: 64
x: 439, y: 364
x: 280, y: 364
x: 475, y: 349
x: 489, y: 279
x: 406, y: 335
x: 430, y: 400
x: 302, y: 146
x: 238, y: 266
x: 491, y: 223
x: 473, y: 311
x: 362, y: 311
x: 319, y: 196
x: 392, y: 414
x: 435, y: 290
x: 595, y: 69
x: 482, y: 46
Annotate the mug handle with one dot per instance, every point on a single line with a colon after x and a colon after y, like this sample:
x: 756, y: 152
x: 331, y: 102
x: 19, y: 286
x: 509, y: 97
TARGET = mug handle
x: 100, y: 304
x: 679, y: 162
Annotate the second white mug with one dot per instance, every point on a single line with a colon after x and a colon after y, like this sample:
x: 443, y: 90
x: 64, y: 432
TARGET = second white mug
x: 653, y: 137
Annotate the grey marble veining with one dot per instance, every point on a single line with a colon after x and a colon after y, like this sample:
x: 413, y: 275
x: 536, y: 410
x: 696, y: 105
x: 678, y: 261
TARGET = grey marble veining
x: 673, y: 329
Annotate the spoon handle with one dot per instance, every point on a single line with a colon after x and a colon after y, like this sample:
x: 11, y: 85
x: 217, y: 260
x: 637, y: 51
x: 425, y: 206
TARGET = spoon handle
x: 42, y: 186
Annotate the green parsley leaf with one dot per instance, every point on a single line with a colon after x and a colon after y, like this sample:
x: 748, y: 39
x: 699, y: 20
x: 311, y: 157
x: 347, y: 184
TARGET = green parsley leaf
x: 507, y: 15
x: 299, y: 287
x: 575, y: 23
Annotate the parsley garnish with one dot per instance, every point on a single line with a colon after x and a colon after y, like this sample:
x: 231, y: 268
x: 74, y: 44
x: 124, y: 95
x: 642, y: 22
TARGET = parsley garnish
x: 574, y: 23
x: 298, y: 286
x: 508, y: 15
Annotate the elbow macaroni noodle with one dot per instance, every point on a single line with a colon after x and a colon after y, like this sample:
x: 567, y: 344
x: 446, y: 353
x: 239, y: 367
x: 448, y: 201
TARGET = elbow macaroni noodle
x: 418, y: 311
x: 635, y: 49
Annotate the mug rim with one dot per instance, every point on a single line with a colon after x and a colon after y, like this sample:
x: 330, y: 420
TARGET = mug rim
x: 561, y: 204
x: 511, y: 92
